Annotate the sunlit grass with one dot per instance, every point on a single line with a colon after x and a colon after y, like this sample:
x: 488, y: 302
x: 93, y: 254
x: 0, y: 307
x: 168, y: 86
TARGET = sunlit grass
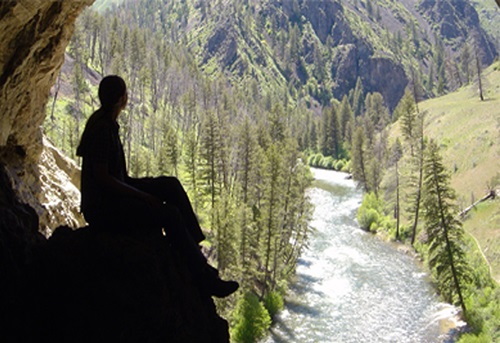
x: 468, y: 131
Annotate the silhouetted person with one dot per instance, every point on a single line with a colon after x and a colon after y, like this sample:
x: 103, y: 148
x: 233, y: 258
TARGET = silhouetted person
x: 111, y: 200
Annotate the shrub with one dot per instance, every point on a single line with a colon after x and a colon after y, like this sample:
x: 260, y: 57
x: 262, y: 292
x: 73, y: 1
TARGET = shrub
x: 273, y: 302
x: 370, y: 213
x: 316, y: 160
x: 347, y: 167
x: 252, y: 320
x: 328, y: 162
x: 339, y: 165
x: 310, y: 160
x: 471, y: 338
x: 368, y: 219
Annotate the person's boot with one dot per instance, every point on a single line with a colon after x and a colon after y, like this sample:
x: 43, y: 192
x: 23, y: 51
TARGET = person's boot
x: 214, y: 286
x: 220, y: 288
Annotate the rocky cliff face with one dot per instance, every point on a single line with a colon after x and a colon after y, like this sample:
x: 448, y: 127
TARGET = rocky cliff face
x: 458, y: 21
x: 34, y: 37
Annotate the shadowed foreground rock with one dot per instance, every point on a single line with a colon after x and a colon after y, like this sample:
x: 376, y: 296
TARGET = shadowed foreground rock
x: 91, y: 286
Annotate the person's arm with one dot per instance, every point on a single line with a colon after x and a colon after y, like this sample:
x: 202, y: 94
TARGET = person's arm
x: 102, y: 176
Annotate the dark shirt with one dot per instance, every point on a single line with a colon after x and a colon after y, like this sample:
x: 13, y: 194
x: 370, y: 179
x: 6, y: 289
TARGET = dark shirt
x: 100, y: 143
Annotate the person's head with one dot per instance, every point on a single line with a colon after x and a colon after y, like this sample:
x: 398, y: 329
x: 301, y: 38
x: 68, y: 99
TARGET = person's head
x: 113, y: 93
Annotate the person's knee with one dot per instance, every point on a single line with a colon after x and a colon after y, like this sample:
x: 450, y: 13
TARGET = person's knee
x: 170, y: 182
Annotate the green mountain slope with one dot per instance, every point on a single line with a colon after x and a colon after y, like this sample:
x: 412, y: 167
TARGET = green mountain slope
x: 319, y: 48
x: 468, y: 131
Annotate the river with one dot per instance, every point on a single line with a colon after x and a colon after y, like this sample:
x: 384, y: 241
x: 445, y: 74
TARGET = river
x: 353, y: 287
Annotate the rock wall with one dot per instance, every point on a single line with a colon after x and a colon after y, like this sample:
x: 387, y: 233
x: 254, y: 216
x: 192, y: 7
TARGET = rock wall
x: 83, y: 285
x: 35, y: 34
x: 458, y: 21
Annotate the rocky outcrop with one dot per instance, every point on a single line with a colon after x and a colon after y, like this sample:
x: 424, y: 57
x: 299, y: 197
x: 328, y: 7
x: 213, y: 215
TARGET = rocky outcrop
x: 34, y: 37
x: 327, y: 18
x: 18, y: 238
x: 458, y: 21
x: 91, y: 286
x: 224, y: 44
x: 385, y: 76
x: 50, y: 185
x: 378, y: 74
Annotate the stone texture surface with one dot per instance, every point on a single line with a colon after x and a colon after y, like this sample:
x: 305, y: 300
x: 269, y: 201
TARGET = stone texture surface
x: 35, y: 34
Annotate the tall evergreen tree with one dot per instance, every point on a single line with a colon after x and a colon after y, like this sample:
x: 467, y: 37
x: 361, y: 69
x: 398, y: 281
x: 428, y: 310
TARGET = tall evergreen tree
x: 376, y: 110
x: 346, y: 117
x: 376, y: 162
x: 415, y: 179
x: 209, y: 150
x: 358, y: 98
x: 444, y: 230
x: 330, y: 133
x: 191, y: 161
x: 408, y: 117
x: 272, y: 211
x: 396, y: 154
x: 358, y: 158
x: 465, y: 61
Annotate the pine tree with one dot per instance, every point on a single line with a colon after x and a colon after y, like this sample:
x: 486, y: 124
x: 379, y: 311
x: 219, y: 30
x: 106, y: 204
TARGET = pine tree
x: 358, y: 98
x: 247, y: 146
x: 408, y: 115
x: 272, y: 211
x: 209, y: 150
x: 465, y: 61
x: 225, y: 227
x: 276, y: 123
x: 358, y: 158
x: 330, y: 133
x: 191, y: 160
x: 313, y: 134
x: 375, y: 161
x: 171, y: 147
x: 444, y: 231
x: 324, y: 139
x: 416, y: 176
x: 396, y: 154
x: 376, y: 110
x: 346, y: 117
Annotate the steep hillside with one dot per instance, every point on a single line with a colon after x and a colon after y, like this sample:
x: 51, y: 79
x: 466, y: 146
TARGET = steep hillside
x: 489, y: 14
x: 468, y: 131
x: 318, y: 49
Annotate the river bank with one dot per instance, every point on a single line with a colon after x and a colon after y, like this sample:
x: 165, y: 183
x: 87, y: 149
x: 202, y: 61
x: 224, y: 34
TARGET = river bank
x: 351, y: 287
x: 451, y: 323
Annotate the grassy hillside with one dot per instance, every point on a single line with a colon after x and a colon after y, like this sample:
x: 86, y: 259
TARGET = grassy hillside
x: 469, y: 133
x: 490, y: 18
x: 468, y: 130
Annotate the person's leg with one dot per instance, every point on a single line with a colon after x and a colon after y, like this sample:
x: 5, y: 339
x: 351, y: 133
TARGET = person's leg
x: 125, y: 215
x: 204, y: 275
x: 170, y: 190
x: 134, y: 217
